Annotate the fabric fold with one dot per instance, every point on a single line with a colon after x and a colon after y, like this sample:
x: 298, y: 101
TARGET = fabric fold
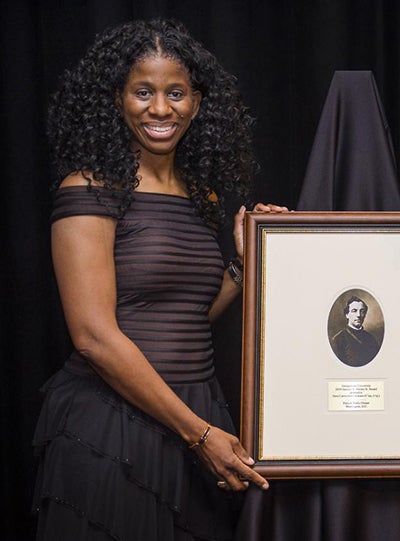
x: 352, y: 166
x: 165, y: 480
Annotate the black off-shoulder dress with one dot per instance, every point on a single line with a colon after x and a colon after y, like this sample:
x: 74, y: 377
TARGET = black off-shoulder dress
x: 107, y: 470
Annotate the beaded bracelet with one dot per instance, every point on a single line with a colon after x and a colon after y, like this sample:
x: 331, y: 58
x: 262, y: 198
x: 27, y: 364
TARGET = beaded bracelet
x: 203, y: 438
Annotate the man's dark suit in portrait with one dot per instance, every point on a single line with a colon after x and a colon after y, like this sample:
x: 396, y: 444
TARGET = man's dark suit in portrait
x: 353, y: 345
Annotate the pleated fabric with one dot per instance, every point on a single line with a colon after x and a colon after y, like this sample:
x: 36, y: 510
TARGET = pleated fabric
x: 329, y: 510
x: 107, y: 470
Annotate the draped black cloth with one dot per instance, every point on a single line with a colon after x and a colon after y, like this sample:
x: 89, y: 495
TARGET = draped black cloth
x: 351, y: 167
x: 333, y: 510
x: 352, y: 164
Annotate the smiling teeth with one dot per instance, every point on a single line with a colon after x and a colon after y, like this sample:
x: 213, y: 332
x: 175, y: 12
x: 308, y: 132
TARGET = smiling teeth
x: 160, y: 129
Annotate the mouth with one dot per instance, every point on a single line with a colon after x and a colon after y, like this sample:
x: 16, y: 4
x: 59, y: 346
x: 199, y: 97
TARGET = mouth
x: 160, y: 131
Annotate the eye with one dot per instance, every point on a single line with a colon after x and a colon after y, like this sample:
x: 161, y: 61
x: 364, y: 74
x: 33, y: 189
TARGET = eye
x: 175, y: 94
x: 143, y: 93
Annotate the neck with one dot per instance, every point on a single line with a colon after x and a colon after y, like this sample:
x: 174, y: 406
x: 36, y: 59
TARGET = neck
x: 356, y: 328
x: 159, y: 174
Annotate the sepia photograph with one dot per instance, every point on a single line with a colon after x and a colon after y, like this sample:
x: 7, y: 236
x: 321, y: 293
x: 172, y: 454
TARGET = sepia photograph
x: 356, y: 327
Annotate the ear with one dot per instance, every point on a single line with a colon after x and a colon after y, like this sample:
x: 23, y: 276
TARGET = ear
x: 196, y: 102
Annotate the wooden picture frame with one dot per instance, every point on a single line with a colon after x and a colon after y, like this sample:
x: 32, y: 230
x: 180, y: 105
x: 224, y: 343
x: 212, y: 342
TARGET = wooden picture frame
x: 307, y: 410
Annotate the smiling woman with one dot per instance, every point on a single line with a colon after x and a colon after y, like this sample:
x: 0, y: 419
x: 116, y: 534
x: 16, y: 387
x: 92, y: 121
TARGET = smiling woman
x: 89, y: 133
x: 135, y: 440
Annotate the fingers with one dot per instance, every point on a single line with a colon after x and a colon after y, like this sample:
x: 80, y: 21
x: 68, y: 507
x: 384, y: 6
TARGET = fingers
x: 239, y: 476
x: 239, y: 222
x: 229, y: 461
x: 242, y: 454
x: 254, y: 477
x: 270, y: 207
x: 240, y: 214
x: 223, y: 485
x: 238, y: 230
x: 239, y: 473
x: 247, y: 473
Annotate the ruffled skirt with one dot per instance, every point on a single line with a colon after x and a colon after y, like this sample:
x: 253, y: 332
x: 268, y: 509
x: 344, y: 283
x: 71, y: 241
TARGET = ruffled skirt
x: 109, y: 471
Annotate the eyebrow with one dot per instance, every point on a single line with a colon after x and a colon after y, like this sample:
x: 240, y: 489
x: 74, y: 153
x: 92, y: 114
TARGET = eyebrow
x: 147, y: 82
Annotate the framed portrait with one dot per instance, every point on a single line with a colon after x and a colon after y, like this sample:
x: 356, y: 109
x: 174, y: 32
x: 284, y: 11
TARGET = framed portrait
x: 321, y: 344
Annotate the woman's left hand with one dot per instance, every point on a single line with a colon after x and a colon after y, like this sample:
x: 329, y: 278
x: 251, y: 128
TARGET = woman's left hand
x: 239, y: 223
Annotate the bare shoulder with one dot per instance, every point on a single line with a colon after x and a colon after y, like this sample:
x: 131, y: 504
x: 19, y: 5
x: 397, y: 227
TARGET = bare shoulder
x: 79, y: 179
x: 93, y: 218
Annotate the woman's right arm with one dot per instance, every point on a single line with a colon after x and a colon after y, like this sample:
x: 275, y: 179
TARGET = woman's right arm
x: 83, y: 254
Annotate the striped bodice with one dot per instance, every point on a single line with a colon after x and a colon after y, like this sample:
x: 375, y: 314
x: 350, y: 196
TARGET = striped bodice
x: 168, y: 270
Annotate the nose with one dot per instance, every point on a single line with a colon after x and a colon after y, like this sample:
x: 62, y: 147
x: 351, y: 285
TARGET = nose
x: 159, y: 106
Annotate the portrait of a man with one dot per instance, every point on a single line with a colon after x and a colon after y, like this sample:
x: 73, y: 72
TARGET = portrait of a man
x: 353, y: 345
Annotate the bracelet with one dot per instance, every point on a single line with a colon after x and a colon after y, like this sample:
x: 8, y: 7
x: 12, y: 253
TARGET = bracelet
x: 203, y: 438
x: 236, y: 274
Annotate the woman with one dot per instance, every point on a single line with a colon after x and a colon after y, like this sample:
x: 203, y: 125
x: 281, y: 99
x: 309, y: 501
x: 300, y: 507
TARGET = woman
x: 149, y: 134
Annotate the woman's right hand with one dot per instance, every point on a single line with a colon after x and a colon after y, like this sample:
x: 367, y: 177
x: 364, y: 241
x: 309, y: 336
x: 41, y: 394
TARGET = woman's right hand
x: 228, y: 461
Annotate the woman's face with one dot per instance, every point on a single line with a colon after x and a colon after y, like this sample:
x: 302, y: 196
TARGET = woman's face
x: 158, y: 104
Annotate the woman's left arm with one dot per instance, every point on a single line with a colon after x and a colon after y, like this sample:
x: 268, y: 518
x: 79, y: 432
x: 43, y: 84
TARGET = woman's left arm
x: 230, y: 289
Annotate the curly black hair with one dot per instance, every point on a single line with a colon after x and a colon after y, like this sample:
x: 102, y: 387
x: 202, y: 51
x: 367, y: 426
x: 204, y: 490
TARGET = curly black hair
x: 87, y: 132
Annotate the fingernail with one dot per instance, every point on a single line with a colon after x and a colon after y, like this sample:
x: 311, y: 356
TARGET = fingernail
x: 242, y: 208
x: 265, y: 486
x: 251, y: 460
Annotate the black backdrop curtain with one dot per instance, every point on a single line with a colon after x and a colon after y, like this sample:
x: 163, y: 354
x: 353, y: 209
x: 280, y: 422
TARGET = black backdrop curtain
x: 284, y: 54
